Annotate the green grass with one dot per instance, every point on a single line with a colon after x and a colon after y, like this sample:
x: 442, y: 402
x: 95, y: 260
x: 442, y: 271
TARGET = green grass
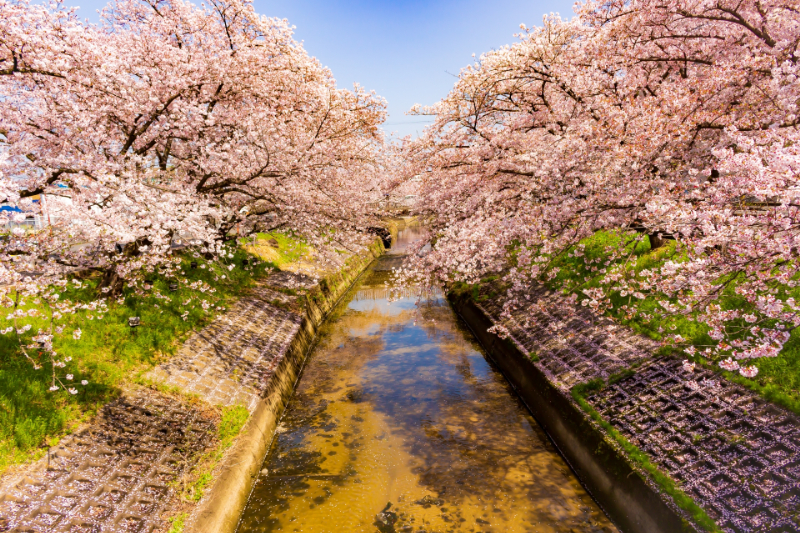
x: 278, y: 248
x: 478, y: 292
x: 231, y: 423
x: 108, y: 354
x: 177, y: 523
x: 778, y: 379
x: 642, y: 461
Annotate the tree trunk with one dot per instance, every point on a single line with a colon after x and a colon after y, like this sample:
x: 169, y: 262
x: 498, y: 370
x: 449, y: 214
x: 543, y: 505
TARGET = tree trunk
x: 656, y: 240
x: 112, y: 281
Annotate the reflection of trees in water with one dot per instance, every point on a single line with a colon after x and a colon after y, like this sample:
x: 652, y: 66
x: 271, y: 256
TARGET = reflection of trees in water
x: 294, y: 467
x: 337, y: 354
x: 470, y: 437
x: 470, y: 440
x: 443, y: 326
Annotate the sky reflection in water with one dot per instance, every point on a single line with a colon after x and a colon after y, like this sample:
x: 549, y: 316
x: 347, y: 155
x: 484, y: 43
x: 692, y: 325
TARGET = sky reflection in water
x: 400, y: 424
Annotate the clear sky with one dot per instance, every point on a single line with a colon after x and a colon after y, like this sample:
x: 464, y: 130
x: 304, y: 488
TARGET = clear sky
x: 408, y: 51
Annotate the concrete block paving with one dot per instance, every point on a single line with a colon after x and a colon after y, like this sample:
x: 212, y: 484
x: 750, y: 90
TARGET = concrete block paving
x: 117, y: 475
x: 735, y: 454
x: 572, y: 344
x: 231, y: 361
x: 114, y: 476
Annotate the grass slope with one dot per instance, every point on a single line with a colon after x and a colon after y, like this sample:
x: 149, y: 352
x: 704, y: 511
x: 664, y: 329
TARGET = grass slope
x: 110, y: 353
x: 778, y: 379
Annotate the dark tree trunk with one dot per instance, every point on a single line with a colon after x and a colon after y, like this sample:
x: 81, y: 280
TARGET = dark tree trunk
x: 657, y: 240
x: 112, y: 281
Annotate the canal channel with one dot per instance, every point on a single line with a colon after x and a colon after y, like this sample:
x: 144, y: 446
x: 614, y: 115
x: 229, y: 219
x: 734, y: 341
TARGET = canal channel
x: 400, y: 424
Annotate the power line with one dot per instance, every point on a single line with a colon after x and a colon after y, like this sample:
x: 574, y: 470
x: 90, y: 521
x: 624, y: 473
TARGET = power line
x: 410, y: 122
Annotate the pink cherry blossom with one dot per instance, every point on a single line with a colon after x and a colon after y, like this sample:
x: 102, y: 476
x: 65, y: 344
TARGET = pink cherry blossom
x: 729, y: 365
x: 170, y: 122
x: 654, y: 121
x: 748, y: 371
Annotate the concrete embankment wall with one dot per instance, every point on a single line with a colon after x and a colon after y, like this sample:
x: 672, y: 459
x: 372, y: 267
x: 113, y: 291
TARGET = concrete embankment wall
x: 660, y: 446
x: 130, y: 467
x: 633, y: 503
x: 220, y: 509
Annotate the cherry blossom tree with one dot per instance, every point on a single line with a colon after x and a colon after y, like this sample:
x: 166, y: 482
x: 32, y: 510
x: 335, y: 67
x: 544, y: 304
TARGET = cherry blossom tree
x: 169, y: 121
x: 668, y: 119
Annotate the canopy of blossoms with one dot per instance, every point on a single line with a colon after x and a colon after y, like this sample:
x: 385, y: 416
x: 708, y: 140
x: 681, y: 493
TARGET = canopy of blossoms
x: 169, y: 122
x: 656, y: 119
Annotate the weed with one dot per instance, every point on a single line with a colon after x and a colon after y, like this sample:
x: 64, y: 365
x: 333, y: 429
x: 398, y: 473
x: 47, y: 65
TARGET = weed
x: 619, y: 376
x: 176, y: 523
x: 231, y: 423
x: 290, y: 292
x: 233, y: 420
x: 585, y: 389
x: 736, y: 439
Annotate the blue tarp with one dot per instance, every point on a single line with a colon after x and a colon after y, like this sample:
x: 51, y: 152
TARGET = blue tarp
x: 11, y: 208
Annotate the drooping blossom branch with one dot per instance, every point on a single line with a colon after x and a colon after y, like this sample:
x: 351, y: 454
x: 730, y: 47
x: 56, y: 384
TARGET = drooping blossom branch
x: 658, y: 120
x: 170, y: 122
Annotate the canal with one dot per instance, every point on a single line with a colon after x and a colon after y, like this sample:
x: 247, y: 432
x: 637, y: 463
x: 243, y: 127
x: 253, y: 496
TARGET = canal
x: 400, y: 424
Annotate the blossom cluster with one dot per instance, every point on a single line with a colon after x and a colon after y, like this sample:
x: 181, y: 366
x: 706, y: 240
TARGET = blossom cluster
x: 168, y: 125
x: 671, y: 123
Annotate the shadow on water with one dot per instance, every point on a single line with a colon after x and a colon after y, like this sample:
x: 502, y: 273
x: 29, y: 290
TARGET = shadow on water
x: 399, y: 424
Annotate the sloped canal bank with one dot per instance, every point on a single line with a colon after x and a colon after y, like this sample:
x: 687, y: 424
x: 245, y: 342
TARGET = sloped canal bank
x: 399, y: 423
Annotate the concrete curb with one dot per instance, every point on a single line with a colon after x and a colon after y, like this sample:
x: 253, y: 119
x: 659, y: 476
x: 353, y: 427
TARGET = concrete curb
x: 628, y: 496
x: 219, y: 511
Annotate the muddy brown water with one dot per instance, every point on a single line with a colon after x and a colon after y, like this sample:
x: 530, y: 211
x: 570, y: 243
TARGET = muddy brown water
x: 400, y: 424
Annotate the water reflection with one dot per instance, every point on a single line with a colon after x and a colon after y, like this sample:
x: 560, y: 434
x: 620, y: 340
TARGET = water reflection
x: 399, y: 424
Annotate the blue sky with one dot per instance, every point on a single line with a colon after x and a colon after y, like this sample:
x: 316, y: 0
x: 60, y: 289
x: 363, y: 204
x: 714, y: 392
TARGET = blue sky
x: 408, y: 51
